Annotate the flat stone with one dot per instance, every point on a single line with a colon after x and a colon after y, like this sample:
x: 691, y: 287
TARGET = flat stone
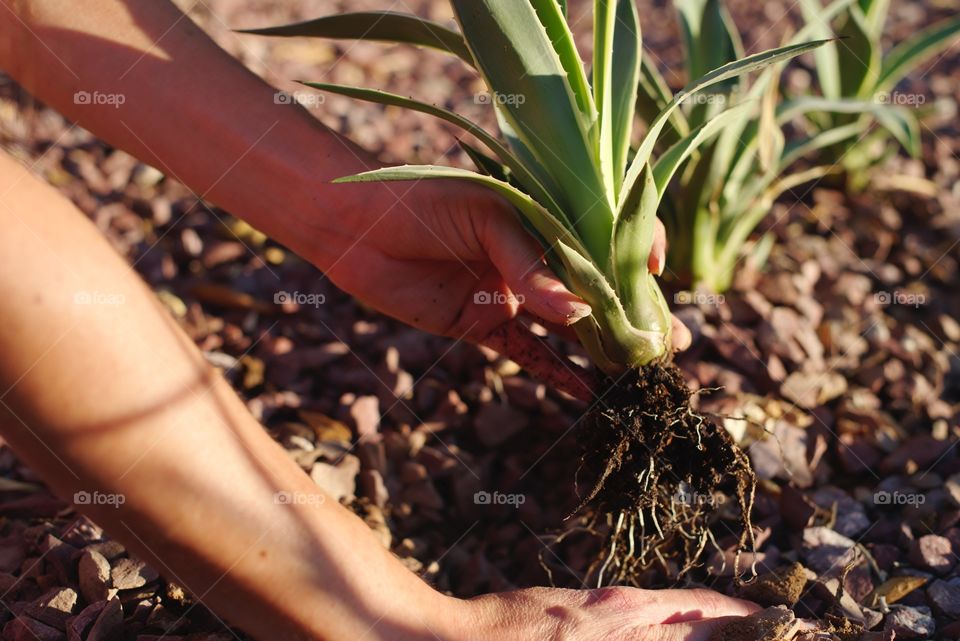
x: 496, y: 423
x: 339, y: 481
x: 910, y: 622
x: 365, y: 413
x: 24, y: 628
x: 933, y: 553
x: 94, y: 571
x: 129, y: 574
x: 54, y: 607
x: 945, y: 597
x: 826, y: 550
x: 109, y: 623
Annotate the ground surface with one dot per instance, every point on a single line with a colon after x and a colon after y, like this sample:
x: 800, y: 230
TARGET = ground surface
x: 845, y: 348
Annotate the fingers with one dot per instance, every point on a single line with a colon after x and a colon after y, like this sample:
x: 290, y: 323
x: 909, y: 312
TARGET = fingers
x: 518, y: 259
x: 665, y: 607
x: 681, y: 335
x: 518, y: 343
x: 690, y: 631
x: 658, y: 252
x: 682, y: 606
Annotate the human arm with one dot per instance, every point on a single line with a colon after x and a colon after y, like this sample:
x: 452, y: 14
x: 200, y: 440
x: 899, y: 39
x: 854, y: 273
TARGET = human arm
x: 100, y: 391
x: 425, y: 252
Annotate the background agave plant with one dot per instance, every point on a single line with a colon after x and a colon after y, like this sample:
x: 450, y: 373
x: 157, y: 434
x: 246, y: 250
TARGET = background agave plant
x: 567, y: 165
x: 717, y: 200
x: 858, y: 81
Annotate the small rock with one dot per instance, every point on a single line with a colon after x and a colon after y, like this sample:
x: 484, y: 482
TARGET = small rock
x: 772, y: 624
x: 129, y: 574
x: 852, y: 518
x: 495, y: 423
x: 23, y: 628
x: 826, y: 550
x: 910, y: 622
x: 109, y: 549
x: 178, y: 595
x: 94, y: 571
x: 339, y: 481
x: 783, y: 587
x: 109, y: 622
x: 945, y: 596
x: 373, y: 487
x: 54, y: 607
x: 933, y: 553
x: 365, y: 413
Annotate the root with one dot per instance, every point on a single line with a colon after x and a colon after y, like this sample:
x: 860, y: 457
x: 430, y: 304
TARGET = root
x: 661, y: 472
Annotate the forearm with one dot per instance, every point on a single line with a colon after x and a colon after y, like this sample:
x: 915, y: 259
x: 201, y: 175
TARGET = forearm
x: 170, y: 96
x: 103, y: 393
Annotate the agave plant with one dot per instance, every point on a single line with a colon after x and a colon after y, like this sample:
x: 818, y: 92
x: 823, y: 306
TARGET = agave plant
x: 856, y: 70
x: 724, y: 191
x: 565, y: 163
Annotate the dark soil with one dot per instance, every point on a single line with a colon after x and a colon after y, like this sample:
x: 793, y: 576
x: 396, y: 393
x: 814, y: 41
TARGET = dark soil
x: 659, y: 472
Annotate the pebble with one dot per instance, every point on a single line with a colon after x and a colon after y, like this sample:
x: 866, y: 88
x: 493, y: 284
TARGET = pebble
x: 94, y: 573
x: 945, y: 596
x: 338, y: 481
x: 910, y: 622
x: 933, y: 553
x: 496, y: 423
x: 128, y: 574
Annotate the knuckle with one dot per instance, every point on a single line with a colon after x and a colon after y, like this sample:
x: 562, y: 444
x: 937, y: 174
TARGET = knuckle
x: 708, y: 601
x: 617, y: 598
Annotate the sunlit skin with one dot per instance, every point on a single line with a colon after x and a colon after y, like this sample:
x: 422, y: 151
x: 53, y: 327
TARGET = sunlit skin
x: 110, y: 395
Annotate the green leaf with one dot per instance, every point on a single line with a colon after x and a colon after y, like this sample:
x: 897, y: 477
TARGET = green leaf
x: 654, y: 96
x: 898, y: 121
x: 384, y: 26
x: 549, y: 227
x: 910, y: 54
x: 621, y: 342
x: 710, y: 36
x: 875, y: 16
x: 616, y: 78
x: 667, y: 164
x: 827, y: 58
x: 632, y: 243
x: 859, y: 55
x: 522, y: 68
x: 518, y: 168
x: 486, y: 165
x: 731, y: 70
x: 552, y: 16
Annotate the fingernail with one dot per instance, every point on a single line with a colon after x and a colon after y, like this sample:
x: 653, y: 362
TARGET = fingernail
x: 572, y: 311
x: 658, y: 263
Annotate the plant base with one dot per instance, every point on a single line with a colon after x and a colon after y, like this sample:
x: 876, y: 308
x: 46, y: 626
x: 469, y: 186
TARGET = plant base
x: 660, y: 474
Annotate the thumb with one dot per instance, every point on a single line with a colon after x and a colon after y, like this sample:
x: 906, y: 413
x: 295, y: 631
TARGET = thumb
x: 519, y: 260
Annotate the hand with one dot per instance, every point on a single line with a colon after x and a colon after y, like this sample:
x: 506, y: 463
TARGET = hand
x: 450, y: 258
x: 608, y: 614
